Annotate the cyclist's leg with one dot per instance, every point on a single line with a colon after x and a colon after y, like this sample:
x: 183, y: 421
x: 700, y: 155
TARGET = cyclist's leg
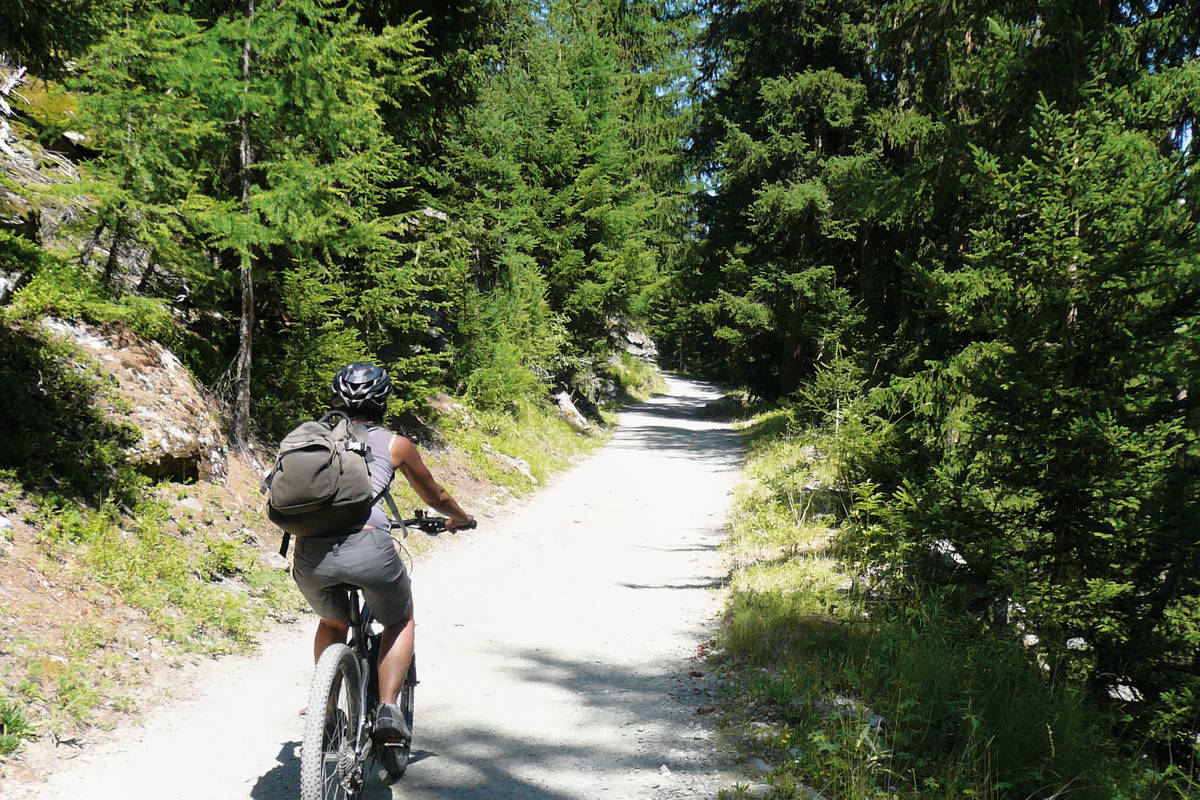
x: 316, y: 569
x: 395, y: 653
x: 394, y: 755
x: 388, y: 591
x: 329, y: 631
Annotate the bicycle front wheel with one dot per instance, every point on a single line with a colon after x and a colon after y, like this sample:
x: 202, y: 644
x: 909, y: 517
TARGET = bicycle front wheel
x: 395, y: 757
x: 329, y: 769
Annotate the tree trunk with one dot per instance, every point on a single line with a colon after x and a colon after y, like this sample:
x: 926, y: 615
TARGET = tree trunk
x: 120, y: 234
x: 241, y: 407
x: 791, y: 350
x: 85, y: 255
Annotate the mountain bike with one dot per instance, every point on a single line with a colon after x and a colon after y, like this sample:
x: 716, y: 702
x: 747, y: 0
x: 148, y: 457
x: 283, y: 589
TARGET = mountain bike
x: 338, y: 743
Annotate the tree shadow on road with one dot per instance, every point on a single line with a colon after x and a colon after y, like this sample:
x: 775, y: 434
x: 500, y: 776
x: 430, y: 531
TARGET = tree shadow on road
x: 498, y: 764
x: 494, y: 764
x: 722, y: 446
x: 715, y: 583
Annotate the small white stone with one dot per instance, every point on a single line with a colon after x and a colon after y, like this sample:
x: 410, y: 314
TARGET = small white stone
x: 1125, y: 692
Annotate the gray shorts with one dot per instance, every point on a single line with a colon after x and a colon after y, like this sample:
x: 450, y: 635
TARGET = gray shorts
x: 367, y: 559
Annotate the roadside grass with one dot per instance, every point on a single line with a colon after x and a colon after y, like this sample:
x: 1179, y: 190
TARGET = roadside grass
x: 182, y: 582
x: 637, y: 380
x: 95, y: 530
x: 14, y: 726
x: 198, y: 594
x: 486, y: 458
x: 857, y: 697
x: 535, y: 434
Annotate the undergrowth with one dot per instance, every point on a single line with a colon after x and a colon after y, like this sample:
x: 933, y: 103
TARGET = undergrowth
x: 97, y: 522
x: 636, y: 379
x: 14, y: 726
x: 64, y: 288
x: 858, y: 696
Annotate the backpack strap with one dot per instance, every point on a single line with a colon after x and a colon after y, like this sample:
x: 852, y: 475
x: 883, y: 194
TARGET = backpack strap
x: 394, y: 518
x: 360, y: 432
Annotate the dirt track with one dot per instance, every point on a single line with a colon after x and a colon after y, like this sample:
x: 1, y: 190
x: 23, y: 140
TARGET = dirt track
x: 554, y: 649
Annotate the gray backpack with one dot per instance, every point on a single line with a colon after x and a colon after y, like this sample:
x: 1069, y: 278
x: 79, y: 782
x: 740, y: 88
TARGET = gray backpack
x: 320, y: 482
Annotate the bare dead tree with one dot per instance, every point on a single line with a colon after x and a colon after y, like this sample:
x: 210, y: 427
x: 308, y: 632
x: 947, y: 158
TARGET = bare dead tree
x: 241, y: 410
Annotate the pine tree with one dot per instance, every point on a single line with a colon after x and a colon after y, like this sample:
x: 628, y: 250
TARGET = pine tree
x: 277, y: 126
x: 992, y: 207
x: 43, y: 35
x: 553, y: 185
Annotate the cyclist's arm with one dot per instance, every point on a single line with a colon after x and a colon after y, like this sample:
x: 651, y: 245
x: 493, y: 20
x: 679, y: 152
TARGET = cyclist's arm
x: 407, y: 459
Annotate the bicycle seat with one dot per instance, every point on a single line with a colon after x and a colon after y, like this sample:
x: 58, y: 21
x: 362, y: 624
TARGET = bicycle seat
x: 344, y: 587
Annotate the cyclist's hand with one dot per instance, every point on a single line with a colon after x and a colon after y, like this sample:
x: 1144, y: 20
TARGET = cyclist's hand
x: 458, y: 523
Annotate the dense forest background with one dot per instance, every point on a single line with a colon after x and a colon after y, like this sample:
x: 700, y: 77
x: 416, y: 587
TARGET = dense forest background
x: 960, y: 238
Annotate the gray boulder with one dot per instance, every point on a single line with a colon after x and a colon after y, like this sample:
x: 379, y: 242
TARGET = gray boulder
x: 181, y: 438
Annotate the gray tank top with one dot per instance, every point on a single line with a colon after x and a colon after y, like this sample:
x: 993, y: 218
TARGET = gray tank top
x: 382, y: 471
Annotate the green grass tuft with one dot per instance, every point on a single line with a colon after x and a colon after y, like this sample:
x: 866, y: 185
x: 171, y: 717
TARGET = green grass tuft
x: 636, y: 379
x: 13, y: 727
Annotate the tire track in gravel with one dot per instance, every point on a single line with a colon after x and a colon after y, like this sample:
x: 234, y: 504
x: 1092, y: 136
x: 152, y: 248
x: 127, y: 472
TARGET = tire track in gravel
x: 554, y: 650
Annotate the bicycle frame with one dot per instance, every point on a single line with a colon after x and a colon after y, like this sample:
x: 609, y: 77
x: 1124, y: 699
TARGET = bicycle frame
x: 360, y: 643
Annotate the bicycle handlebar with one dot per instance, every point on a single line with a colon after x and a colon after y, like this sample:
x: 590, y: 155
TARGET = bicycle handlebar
x: 431, y: 524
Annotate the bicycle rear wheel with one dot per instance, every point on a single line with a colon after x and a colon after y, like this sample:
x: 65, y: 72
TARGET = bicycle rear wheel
x: 394, y: 758
x: 328, y: 767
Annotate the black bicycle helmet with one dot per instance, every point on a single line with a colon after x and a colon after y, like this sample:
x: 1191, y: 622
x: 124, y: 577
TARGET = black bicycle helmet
x: 361, y: 386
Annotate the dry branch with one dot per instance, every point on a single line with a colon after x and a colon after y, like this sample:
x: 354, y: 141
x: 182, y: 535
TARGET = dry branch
x: 5, y: 133
x: 10, y: 82
x: 6, y: 88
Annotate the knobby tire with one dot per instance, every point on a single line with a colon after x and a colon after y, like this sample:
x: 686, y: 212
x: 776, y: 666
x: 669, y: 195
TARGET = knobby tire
x: 332, y: 709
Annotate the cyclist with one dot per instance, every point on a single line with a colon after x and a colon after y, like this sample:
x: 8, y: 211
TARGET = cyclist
x: 365, y: 555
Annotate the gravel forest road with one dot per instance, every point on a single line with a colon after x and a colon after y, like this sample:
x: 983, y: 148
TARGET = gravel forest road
x: 555, y: 649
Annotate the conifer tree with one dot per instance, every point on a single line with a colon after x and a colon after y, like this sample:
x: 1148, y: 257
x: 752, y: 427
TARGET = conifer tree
x: 43, y: 35
x: 277, y: 126
x: 553, y: 185
x: 992, y: 207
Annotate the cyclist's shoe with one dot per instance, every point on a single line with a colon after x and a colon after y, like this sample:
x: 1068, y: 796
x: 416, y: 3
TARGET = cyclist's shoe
x: 390, y: 727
